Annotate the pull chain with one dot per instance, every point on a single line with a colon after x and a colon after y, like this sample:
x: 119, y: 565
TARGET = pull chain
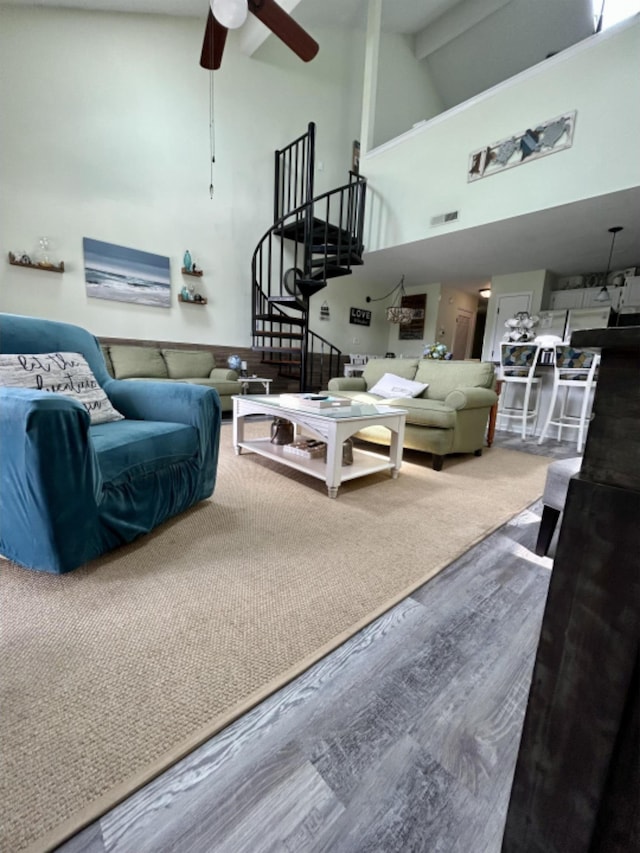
x: 212, y: 134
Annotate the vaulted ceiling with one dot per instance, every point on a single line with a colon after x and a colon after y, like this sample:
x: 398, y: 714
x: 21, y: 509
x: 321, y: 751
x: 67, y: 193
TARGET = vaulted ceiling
x: 566, y: 240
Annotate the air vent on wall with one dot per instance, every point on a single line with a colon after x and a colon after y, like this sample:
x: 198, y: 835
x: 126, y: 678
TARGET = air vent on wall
x: 443, y: 218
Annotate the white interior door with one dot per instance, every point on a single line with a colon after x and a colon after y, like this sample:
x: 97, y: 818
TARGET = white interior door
x: 461, y: 334
x: 508, y: 306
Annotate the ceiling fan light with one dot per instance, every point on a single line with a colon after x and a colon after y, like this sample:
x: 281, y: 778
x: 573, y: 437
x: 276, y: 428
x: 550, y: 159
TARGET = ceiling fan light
x: 230, y: 13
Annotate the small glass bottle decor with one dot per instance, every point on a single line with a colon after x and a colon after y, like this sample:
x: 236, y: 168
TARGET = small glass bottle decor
x: 44, y: 252
x: 187, y: 261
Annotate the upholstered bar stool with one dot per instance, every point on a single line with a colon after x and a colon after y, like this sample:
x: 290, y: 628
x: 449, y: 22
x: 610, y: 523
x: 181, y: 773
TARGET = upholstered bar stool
x: 574, y: 370
x: 520, y: 395
x: 555, y: 494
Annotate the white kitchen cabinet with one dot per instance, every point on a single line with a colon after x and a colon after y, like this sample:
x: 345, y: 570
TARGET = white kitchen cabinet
x: 586, y: 297
x: 566, y: 299
x: 630, y: 292
x: 590, y: 294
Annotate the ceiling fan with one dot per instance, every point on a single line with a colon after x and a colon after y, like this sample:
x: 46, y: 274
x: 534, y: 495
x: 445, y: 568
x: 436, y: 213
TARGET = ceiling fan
x: 231, y: 14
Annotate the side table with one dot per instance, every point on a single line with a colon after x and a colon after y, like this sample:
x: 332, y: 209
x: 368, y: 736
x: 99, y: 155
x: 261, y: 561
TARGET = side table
x: 247, y: 380
x: 353, y: 369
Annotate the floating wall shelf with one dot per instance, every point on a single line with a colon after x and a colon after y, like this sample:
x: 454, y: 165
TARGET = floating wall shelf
x: 192, y: 301
x: 197, y: 273
x: 44, y: 267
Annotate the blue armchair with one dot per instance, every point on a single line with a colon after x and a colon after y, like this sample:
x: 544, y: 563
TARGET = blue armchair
x: 71, y: 490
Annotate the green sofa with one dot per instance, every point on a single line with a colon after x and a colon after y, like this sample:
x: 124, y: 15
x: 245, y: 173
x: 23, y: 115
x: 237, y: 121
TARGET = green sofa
x: 130, y: 361
x: 449, y: 416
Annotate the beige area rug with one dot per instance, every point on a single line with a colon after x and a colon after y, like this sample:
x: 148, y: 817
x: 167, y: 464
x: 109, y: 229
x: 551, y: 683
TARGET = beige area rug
x: 114, y: 671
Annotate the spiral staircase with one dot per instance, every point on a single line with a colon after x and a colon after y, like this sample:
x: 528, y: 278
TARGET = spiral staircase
x: 312, y: 239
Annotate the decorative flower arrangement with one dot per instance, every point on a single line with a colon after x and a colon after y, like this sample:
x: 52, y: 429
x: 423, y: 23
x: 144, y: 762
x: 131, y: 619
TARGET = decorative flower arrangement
x: 436, y: 351
x: 521, y: 327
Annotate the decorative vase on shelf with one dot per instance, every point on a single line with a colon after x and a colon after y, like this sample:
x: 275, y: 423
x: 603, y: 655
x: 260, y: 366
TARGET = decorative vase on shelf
x: 187, y: 261
x: 44, y: 256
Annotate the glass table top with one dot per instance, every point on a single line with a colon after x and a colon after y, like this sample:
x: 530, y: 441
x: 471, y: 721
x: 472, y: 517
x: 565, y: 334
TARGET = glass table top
x: 354, y: 410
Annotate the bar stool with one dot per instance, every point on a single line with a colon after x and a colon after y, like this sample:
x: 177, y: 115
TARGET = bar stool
x: 518, y: 363
x: 573, y: 369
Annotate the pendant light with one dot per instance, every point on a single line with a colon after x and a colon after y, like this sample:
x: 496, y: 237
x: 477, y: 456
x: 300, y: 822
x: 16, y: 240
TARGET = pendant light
x: 604, y: 295
x: 396, y: 312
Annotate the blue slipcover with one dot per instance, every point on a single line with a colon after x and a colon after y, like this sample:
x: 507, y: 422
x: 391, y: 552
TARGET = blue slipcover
x: 70, y: 491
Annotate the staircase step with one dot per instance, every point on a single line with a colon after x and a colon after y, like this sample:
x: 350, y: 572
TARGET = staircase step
x: 325, y: 273
x: 345, y: 259
x: 258, y: 348
x: 283, y: 299
x: 309, y: 286
x: 290, y: 336
x: 344, y: 251
x: 280, y: 319
x: 321, y: 232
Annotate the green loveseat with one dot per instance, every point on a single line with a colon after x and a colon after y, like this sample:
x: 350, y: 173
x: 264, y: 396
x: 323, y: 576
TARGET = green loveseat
x: 449, y: 416
x: 130, y: 361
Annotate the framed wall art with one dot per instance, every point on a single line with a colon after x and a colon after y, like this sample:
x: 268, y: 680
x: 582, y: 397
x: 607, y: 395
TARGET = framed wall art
x: 414, y: 330
x: 359, y: 317
x: 538, y: 140
x: 126, y: 275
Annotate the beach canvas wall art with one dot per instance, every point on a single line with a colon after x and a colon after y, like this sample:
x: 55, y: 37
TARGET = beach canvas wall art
x: 126, y: 275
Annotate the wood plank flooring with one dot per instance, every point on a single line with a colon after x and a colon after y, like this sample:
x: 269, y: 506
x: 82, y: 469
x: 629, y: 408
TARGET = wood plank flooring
x: 403, y: 739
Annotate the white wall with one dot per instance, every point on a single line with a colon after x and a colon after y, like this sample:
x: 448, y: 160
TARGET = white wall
x: 405, y: 91
x: 511, y: 38
x: 341, y: 296
x: 425, y: 171
x: 535, y: 282
x: 105, y: 135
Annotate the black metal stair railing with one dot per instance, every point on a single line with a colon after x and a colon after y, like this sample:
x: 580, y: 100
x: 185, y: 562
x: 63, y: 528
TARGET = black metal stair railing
x: 294, y: 173
x: 326, y: 240
x: 323, y: 361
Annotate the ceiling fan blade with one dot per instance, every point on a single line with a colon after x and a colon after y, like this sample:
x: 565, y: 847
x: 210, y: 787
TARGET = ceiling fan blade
x: 282, y: 25
x: 215, y: 36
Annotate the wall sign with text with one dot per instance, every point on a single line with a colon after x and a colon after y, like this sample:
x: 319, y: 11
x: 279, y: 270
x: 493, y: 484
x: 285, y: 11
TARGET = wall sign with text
x: 359, y: 317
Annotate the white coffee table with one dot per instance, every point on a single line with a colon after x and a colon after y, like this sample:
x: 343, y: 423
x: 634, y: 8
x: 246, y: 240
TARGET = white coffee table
x: 333, y: 426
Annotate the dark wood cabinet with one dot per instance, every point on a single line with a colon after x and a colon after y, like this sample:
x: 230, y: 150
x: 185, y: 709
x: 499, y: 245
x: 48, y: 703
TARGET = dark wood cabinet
x: 576, y: 787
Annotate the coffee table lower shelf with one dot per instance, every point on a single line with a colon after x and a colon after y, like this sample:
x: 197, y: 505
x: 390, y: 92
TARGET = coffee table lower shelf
x: 364, y: 462
x: 333, y: 427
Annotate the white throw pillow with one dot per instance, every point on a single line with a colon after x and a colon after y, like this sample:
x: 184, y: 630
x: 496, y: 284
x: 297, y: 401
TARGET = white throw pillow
x: 395, y: 386
x: 65, y: 372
